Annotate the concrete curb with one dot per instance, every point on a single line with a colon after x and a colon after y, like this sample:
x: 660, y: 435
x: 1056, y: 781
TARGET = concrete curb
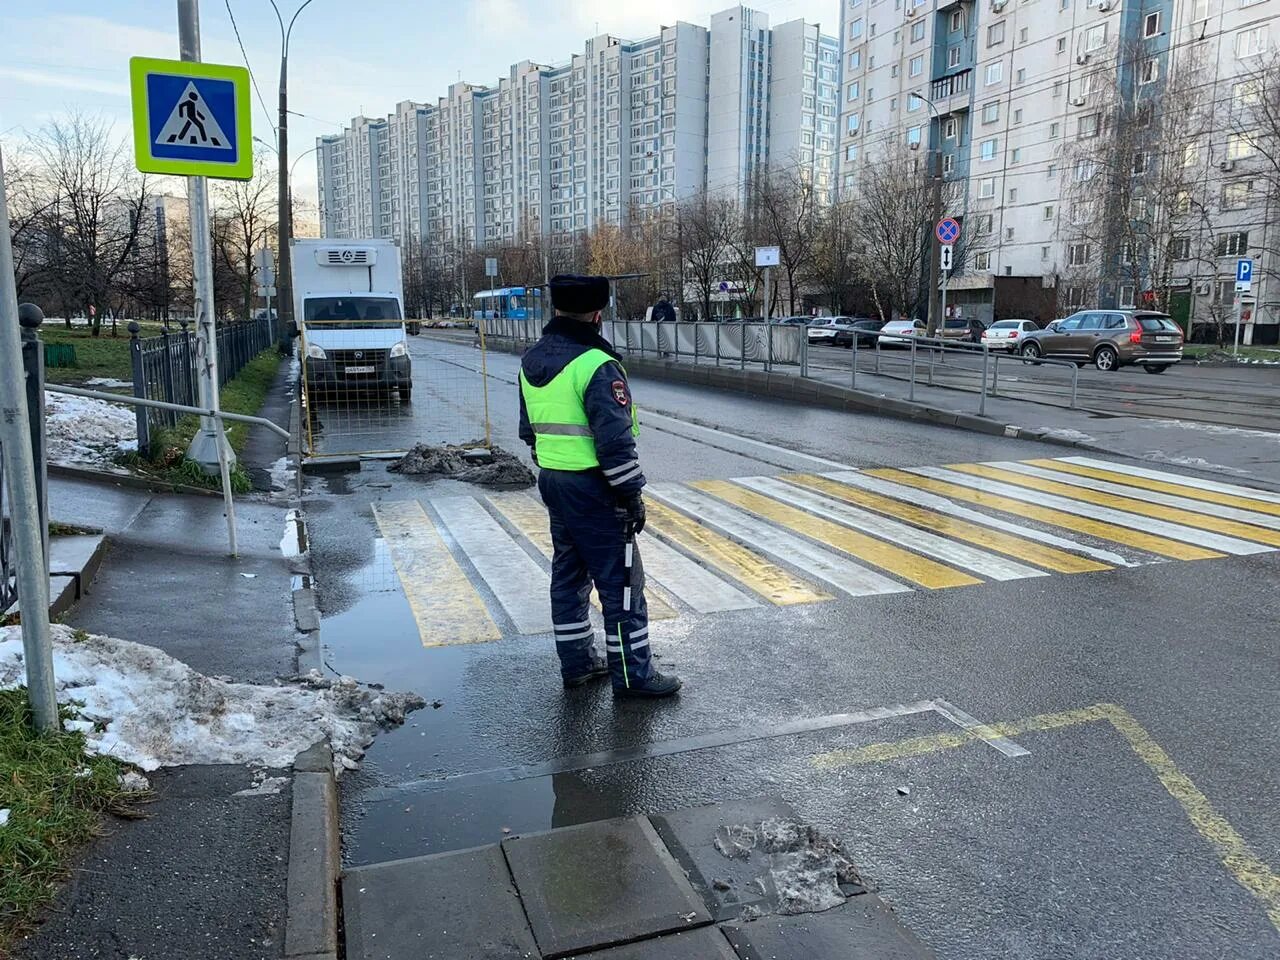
x: 311, y: 894
x: 130, y: 480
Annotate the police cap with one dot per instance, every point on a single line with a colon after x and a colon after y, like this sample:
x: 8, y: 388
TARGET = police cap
x: 572, y: 293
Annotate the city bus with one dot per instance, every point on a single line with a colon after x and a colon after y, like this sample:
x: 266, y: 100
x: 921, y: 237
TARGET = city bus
x: 509, y: 303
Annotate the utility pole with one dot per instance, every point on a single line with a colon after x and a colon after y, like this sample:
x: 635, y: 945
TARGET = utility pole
x: 935, y: 247
x: 15, y: 438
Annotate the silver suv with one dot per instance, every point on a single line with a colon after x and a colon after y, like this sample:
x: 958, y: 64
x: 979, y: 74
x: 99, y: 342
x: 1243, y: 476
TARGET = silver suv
x: 1109, y: 339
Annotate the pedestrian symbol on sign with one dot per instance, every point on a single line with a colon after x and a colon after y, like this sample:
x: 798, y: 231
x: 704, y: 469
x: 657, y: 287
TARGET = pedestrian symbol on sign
x: 192, y: 123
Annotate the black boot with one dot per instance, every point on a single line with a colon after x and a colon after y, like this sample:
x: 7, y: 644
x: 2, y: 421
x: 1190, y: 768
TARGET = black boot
x: 658, y: 685
x: 599, y: 668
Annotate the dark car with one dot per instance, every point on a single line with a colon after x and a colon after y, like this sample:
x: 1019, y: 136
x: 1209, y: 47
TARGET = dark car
x: 1109, y: 339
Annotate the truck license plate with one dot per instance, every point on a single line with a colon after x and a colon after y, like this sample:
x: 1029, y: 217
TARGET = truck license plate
x: 364, y: 369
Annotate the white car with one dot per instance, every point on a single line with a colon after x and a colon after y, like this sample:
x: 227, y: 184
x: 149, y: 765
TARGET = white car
x: 898, y: 333
x: 1006, y: 334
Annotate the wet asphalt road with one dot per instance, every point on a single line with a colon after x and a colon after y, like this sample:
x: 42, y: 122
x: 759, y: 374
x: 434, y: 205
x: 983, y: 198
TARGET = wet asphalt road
x: 1077, y: 849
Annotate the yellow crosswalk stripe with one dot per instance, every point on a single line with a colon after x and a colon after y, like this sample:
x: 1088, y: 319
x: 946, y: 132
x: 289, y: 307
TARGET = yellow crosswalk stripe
x: 530, y: 518
x: 1161, y: 546
x: 1233, y: 528
x: 731, y: 559
x: 447, y: 608
x: 1178, y: 489
x: 896, y: 560
x: 1051, y: 558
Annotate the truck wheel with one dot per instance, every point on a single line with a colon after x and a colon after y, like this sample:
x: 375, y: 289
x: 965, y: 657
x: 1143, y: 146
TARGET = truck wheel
x: 406, y: 392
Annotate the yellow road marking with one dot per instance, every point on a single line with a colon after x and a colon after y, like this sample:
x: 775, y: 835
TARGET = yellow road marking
x: 903, y: 563
x: 1142, y: 483
x: 1233, y: 528
x: 1051, y: 558
x: 530, y: 518
x: 445, y: 605
x: 1248, y: 869
x: 1161, y: 546
x: 732, y: 559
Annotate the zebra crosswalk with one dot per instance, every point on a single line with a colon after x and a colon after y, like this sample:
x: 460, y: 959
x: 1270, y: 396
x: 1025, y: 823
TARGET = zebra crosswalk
x: 476, y: 568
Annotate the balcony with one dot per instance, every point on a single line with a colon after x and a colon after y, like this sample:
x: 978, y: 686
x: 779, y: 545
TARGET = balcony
x: 951, y: 93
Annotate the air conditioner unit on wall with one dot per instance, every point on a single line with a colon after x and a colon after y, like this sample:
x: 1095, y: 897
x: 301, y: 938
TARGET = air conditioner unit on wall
x: 1104, y: 6
x: 998, y: 5
x: 1082, y: 58
x: 1078, y: 101
x: 1204, y: 288
x: 1226, y: 166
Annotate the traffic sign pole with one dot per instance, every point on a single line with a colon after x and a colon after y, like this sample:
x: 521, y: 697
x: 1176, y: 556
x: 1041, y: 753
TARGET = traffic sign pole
x: 209, y: 447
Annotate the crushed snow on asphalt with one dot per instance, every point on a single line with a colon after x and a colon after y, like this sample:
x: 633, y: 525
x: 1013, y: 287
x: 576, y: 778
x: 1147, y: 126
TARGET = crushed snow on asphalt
x: 86, y: 431
x: 154, y: 711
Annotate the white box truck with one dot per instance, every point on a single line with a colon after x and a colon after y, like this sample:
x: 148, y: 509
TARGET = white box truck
x: 348, y: 303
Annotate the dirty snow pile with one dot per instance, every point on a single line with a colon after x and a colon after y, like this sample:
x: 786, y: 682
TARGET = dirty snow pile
x: 86, y: 431
x: 153, y: 711
x: 487, y: 466
x: 805, y: 869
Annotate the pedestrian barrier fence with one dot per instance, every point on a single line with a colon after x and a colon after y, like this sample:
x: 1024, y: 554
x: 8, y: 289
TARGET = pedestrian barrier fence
x: 768, y: 344
x: 165, y: 368
x: 370, y: 389
x: 8, y: 562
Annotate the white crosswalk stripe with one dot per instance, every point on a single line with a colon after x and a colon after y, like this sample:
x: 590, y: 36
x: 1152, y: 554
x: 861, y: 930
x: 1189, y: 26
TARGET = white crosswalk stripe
x: 1174, y: 531
x: 688, y: 582
x: 1197, y: 482
x: 830, y: 568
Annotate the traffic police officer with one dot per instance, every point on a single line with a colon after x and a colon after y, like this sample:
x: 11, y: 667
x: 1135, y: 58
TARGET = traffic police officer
x: 577, y: 417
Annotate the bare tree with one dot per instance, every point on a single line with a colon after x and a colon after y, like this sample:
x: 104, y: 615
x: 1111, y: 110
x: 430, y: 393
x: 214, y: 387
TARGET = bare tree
x: 835, y: 253
x: 706, y: 233
x: 786, y: 212
x: 245, y: 221
x: 99, y: 201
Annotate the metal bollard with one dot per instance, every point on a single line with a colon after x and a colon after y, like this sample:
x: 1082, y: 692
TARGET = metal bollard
x: 29, y: 318
x: 1075, y: 380
x: 743, y: 351
x: 933, y: 356
x: 139, y: 389
x: 995, y: 374
x: 853, y: 366
x: 768, y: 355
x: 912, y: 394
x: 717, y: 329
x: 982, y: 393
x: 804, y: 356
x: 877, y: 354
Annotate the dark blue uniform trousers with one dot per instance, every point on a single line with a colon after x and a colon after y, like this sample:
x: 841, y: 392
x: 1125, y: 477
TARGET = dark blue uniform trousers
x: 590, y: 544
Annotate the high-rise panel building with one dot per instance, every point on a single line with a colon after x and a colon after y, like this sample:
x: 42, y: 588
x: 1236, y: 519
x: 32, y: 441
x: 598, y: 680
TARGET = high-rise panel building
x: 1092, y: 147
x: 620, y: 130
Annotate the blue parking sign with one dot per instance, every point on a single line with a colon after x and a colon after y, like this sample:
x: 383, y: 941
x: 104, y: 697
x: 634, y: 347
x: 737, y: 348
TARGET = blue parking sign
x: 1244, y: 271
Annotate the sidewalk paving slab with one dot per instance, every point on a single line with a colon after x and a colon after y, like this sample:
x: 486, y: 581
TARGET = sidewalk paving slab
x: 863, y: 928
x: 601, y: 884
x: 705, y: 943
x: 449, y: 906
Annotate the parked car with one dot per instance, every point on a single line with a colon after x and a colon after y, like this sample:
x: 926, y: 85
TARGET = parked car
x: 1006, y: 334
x: 956, y: 328
x: 1109, y: 339
x: 840, y: 331
x: 898, y: 333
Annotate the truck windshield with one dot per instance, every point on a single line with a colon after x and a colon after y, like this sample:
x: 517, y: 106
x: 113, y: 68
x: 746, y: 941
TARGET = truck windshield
x: 347, y: 313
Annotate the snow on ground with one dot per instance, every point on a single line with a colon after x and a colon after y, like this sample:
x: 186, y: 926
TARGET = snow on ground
x: 85, y: 431
x: 152, y: 710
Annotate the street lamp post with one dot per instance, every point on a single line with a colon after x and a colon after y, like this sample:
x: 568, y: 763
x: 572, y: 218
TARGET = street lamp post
x: 935, y: 249
x: 284, y: 278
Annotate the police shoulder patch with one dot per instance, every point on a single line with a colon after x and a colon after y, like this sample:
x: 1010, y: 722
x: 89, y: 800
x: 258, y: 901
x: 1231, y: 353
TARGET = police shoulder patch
x: 620, y: 393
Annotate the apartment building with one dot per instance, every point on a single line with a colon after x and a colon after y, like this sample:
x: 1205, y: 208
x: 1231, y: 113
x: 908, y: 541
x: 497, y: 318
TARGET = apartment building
x: 1019, y: 101
x: 620, y: 130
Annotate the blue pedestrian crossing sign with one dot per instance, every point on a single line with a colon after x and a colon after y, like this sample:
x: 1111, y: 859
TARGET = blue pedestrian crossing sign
x: 191, y: 119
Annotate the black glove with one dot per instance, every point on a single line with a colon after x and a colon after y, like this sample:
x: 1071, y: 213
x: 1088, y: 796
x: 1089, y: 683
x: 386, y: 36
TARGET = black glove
x: 631, y: 510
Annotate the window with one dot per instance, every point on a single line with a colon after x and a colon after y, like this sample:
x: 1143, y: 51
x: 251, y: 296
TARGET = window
x: 1233, y: 244
x: 1150, y: 71
x: 985, y: 222
x: 1126, y: 295
x: 953, y: 57
x: 1015, y: 155
x: 1128, y: 253
x: 1251, y: 43
x: 1054, y: 128
x: 948, y: 164
x: 1023, y: 34
x: 854, y: 122
x: 1151, y: 25
x: 989, y: 149
x: 1235, y: 195
x: 916, y: 66
x: 1013, y: 195
x: 1088, y: 126
x: 982, y: 261
x: 1017, y: 116
x: 995, y: 34
x: 1139, y: 162
x: 1078, y: 254
x: 949, y: 128
x: 893, y: 103
x: 957, y: 21
x: 1044, y: 253
x: 1180, y: 248
x: 1008, y: 233
x: 893, y: 70
x: 855, y: 59
x: 1095, y: 38
x: 1182, y: 203
x: 1062, y: 44
x: 995, y: 72
x: 917, y: 31
x: 1051, y: 171
x: 991, y: 111
x: 1048, y: 211
x: 1239, y: 146
x: 1190, y: 155
x: 1020, y: 77
x: 1058, y: 86
x: 855, y: 29
x: 987, y: 188
x: 1224, y: 291
x: 1245, y: 94
x: 855, y: 89
x: 914, y: 103
x: 873, y: 30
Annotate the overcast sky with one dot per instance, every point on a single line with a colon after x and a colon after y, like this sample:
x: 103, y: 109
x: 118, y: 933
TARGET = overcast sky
x: 345, y: 57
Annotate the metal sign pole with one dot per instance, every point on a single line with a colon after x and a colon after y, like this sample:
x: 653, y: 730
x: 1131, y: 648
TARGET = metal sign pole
x: 15, y: 438
x: 209, y: 447
x: 1235, y: 350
